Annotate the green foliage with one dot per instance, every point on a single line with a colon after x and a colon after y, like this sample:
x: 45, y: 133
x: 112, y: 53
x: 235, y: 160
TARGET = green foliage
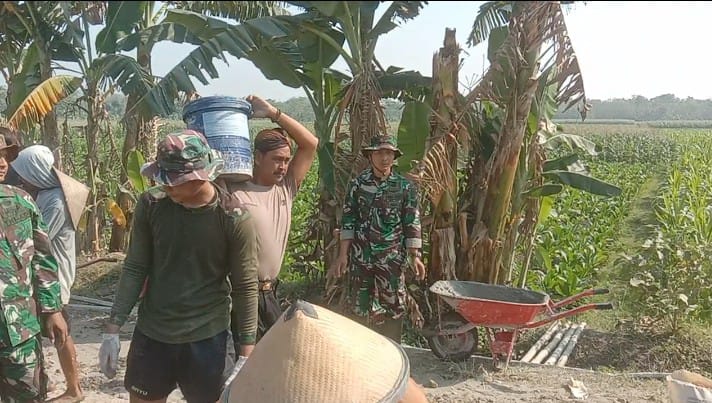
x: 674, y: 277
x: 412, y: 132
x: 674, y: 282
x: 133, y: 167
x: 574, y: 243
x: 299, y: 260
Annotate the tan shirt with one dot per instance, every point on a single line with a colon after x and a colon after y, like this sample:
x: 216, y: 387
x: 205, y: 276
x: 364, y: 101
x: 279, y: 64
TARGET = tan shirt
x: 271, y: 206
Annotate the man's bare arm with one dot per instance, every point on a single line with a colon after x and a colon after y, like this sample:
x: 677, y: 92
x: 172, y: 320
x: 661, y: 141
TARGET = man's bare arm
x: 307, y: 144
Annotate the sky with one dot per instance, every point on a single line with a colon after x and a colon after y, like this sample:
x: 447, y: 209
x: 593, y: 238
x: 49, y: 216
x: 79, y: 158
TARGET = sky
x: 624, y: 49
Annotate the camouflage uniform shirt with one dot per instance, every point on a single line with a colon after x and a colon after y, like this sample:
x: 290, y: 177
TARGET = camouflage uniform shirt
x: 382, y: 219
x: 28, y: 272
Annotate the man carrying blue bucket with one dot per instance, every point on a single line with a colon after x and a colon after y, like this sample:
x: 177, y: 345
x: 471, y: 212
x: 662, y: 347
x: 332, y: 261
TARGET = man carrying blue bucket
x: 268, y: 196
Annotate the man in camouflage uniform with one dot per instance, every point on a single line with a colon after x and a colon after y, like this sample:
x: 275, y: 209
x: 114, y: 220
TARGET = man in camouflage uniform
x: 381, y: 230
x: 28, y: 288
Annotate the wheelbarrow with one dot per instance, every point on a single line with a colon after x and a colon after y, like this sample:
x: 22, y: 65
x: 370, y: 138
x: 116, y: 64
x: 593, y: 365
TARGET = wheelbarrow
x: 503, y: 311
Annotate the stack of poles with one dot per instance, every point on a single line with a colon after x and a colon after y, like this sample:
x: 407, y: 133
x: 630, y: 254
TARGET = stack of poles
x: 556, y: 345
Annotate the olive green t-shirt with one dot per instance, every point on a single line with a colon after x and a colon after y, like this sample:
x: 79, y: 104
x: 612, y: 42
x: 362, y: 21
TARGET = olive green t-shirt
x: 197, y: 262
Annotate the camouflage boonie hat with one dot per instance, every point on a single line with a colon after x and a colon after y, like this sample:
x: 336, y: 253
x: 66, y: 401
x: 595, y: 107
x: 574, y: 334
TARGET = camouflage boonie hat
x: 11, y: 148
x: 183, y: 157
x: 383, y: 143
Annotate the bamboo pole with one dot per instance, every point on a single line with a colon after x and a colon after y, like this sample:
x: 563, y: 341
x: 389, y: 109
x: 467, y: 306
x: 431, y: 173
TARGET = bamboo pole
x: 92, y: 301
x: 562, y: 346
x: 90, y: 307
x: 570, y: 347
x: 544, y: 338
x: 550, y: 347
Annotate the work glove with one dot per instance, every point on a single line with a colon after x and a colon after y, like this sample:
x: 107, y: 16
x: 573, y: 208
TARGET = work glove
x: 109, y: 354
x: 235, y: 370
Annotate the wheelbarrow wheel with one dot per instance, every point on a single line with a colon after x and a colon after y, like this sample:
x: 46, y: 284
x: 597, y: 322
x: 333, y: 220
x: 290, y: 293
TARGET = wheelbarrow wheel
x: 457, y: 347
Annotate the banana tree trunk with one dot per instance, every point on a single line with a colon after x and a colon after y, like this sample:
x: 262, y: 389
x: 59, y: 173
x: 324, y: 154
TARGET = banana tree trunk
x: 445, y: 91
x: 136, y: 125
x: 50, y: 130
x: 512, y: 232
x: 514, y: 86
x: 93, y: 242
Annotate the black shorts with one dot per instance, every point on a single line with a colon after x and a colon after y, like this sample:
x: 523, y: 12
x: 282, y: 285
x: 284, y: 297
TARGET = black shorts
x: 269, y: 311
x: 153, y: 369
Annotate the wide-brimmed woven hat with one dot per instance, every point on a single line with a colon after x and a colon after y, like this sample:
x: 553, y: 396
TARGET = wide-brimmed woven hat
x: 314, y: 355
x: 382, y: 143
x: 75, y: 194
x: 183, y: 157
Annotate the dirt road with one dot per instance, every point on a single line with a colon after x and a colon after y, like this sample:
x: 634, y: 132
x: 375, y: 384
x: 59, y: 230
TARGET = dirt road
x: 444, y: 382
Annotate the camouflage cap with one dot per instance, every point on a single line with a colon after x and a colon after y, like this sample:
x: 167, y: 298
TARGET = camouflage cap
x: 383, y: 143
x: 11, y: 148
x: 183, y: 157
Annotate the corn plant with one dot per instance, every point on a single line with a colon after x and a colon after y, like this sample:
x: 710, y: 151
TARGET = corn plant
x: 674, y: 281
x: 575, y: 240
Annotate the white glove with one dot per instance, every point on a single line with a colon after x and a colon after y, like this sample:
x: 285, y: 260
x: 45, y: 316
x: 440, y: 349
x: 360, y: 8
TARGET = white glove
x: 235, y: 370
x: 109, y: 354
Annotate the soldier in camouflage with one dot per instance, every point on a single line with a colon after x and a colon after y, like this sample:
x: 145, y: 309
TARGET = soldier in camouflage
x: 380, y: 229
x: 29, y: 292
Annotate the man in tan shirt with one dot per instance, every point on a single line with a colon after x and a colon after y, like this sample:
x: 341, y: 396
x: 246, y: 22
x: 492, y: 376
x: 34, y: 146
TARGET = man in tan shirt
x: 276, y: 178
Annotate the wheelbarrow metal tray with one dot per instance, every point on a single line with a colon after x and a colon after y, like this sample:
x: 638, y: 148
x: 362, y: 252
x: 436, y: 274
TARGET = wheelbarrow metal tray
x: 490, y: 304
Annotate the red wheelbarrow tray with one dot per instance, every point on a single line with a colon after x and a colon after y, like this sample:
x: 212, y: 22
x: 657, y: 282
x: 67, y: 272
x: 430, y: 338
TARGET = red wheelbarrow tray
x: 499, y: 306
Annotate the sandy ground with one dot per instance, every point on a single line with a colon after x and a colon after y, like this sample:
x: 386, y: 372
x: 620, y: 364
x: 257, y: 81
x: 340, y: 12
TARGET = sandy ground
x: 472, y: 381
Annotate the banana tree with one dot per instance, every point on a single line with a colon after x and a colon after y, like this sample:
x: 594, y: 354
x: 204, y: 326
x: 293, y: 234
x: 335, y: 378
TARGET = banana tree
x: 279, y: 46
x: 100, y: 75
x: 140, y: 26
x: 506, y: 169
x: 424, y: 123
x: 361, y: 29
x: 29, y: 98
x: 42, y: 35
x: 339, y: 159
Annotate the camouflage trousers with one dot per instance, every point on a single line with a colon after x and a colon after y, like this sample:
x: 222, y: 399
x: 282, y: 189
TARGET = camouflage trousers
x: 22, y: 377
x: 378, y: 292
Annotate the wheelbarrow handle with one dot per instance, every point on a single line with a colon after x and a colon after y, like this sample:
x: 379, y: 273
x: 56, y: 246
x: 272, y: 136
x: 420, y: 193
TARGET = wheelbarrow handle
x: 574, y: 298
x: 564, y: 314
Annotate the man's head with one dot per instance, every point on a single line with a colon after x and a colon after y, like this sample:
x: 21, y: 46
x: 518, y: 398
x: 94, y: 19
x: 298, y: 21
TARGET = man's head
x: 8, y: 152
x: 273, y: 151
x: 184, y: 163
x: 382, y: 153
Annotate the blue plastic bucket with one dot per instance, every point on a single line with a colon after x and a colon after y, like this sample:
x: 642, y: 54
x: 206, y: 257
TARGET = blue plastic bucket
x: 223, y: 121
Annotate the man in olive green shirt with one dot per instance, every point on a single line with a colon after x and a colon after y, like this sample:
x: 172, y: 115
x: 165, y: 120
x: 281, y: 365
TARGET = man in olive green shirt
x: 198, y: 248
